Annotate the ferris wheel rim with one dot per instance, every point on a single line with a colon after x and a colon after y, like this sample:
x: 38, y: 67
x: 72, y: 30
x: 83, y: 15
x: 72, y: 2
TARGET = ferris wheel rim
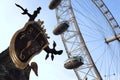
x: 103, y: 41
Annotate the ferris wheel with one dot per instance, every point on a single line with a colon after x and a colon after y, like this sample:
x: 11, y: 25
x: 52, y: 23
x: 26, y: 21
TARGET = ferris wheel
x: 91, y: 38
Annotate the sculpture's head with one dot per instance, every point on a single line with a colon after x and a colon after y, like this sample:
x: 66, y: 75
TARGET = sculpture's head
x: 27, y: 42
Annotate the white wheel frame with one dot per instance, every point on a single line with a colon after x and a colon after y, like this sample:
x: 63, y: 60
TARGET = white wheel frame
x: 77, y: 43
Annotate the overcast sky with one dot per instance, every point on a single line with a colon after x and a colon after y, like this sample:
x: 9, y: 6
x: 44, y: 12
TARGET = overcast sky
x: 12, y: 20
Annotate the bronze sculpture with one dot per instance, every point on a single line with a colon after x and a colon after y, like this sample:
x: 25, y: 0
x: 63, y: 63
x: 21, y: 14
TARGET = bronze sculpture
x: 25, y: 44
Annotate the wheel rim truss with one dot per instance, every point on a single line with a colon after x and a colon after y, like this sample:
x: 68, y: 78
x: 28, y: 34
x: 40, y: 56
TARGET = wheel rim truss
x: 74, y: 43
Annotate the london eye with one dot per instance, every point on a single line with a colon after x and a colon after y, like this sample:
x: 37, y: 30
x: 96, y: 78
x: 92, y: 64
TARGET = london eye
x: 91, y: 38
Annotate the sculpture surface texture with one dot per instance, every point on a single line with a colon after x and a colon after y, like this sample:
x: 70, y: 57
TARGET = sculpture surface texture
x: 25, y: 44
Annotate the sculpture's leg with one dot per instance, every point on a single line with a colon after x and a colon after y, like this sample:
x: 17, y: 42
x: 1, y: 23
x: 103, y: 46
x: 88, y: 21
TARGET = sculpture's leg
x: 53, y: 51
x: 8, y: 71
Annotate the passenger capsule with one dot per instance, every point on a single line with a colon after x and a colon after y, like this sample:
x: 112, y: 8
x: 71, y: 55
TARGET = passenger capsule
x: 62, y: 27
x: 54, y: 3
x: 73, y: 62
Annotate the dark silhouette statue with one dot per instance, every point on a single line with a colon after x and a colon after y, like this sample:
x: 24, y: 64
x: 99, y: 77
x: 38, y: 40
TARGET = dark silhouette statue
x: 31, y: 17
x: 26, y: 42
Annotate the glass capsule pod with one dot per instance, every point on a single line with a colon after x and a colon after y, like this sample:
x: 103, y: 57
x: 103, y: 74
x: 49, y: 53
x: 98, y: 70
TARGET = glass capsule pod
x: 73, y: 62
x: 60, y: 28
x: 54, y: 3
